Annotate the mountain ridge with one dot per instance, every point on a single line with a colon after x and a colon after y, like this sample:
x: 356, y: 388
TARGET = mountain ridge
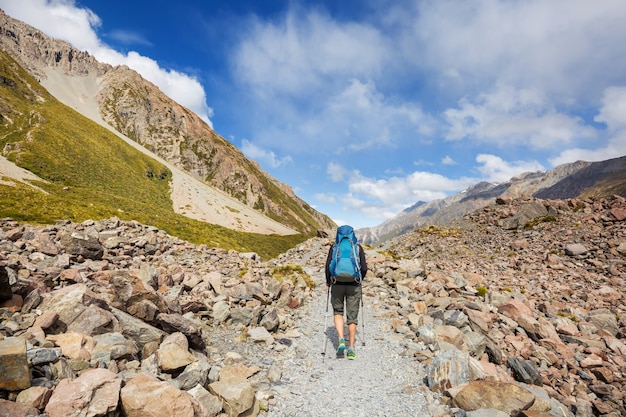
x: 138, y: 110
x: 571, y: 180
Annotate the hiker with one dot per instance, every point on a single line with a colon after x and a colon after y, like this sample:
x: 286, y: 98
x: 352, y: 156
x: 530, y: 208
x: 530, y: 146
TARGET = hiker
x: 345, y: 268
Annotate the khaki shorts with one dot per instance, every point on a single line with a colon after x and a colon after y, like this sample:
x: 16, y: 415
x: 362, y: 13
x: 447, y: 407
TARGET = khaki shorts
x: 351, y: 295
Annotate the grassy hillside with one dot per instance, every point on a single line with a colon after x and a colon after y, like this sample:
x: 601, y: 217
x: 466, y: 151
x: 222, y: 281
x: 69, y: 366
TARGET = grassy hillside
x: 90, y: 173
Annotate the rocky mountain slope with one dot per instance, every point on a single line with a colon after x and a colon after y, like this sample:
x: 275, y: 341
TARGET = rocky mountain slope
x: 515, y: 309
x: 578, y: 179
x: 71, y: 168
x: 138, y: 110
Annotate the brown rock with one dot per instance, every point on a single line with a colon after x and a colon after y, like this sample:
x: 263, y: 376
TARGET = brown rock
x: 14, y: 409
x: 47, y: 319
x: 36, y: 397
x: 13, y: 304
x: 74, y: 345
x: 94, y: 393
x: 514, y: 309
x: 506, y: 397
x: 145, y: 395
x: 238, y: 398
x: 237, y: 373
x: 173, y: 353
x: 14, y: 370
x: 604, y: 374
x: 618, y: 213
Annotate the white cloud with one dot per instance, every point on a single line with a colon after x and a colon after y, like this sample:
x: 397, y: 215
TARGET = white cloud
x: 615, y: 148
x: 382, y: 199
x: 257, y: 153
x: 336, y: 172
x: 305, y: 52
x: 403, y: 191
x: 64, y: 19
x: 356, y: 118
x: 447, y: 160
x: 613, y: 111
x: 572, y: 48
x: 60, y: 19
x: 507, y: 115
x: 495, y: 169
x: 613, y: 114
x: 316, y: 76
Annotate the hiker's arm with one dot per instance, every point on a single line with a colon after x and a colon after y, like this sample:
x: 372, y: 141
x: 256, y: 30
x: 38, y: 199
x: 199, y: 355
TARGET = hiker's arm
x: 362, y: 262
x: 327, y: 268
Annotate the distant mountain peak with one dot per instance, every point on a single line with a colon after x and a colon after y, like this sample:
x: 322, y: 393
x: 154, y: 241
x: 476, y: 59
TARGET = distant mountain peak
x: 572, y: 180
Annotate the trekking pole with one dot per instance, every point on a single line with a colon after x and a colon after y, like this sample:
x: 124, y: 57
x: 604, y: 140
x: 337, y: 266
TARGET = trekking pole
x: 326, y: 325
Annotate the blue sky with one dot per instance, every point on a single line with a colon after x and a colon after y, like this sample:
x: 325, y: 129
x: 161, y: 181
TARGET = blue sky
x: 366, y: 107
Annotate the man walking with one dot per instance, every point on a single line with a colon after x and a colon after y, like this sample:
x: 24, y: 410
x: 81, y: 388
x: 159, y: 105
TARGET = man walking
x: 345, y: 268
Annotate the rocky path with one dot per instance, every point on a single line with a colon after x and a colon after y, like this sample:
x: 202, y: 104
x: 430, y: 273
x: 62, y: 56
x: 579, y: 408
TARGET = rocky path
x: 528, y: 321
x: 379, y: 382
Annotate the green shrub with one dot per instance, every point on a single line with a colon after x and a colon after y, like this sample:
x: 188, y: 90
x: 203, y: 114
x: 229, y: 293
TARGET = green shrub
x: 481, y: 290
x: 292, y: 273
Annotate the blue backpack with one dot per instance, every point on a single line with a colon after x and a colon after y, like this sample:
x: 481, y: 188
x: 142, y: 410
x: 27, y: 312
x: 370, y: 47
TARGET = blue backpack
x: 345, y: 262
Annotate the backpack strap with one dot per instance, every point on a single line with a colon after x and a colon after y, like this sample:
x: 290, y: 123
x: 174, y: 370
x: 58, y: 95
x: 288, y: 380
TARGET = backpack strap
x: 357, y: 258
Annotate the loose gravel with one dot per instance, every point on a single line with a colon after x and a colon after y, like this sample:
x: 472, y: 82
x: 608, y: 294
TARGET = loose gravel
x: 379, y: 382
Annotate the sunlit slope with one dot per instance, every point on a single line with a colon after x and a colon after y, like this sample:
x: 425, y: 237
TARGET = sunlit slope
x: 87, y: 172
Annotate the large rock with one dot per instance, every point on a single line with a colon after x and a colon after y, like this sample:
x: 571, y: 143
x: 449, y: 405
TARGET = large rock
x: 145, y: 395
x: 36, y: 397
x: 79, y: 309
x: 448, y: 369
x: 502, y: 396
x: 525, y: 214
x: 138, y: 330
x: 82, y: 245
x: 14, y: 370
x: 173, y: 353
x: 113, y: 346
x: 135, y: 296
x: 74, y: 345
x: 238, y: 397
x: 94, y: 393
x: 210, y: 404
x: 178, y: 323
x: 13, y: 409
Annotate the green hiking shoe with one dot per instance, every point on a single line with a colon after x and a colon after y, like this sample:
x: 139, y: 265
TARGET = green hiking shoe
x: 351, y: 354
x: 341, y: 346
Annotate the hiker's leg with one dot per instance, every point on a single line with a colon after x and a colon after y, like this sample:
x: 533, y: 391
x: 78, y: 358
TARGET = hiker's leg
x: 337, y: 294
x: 351, y: 334
x: 339, y: 325
x: 353, y: 299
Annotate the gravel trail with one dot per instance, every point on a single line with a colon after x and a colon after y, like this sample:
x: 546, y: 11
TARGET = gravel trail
x: 379, y: 382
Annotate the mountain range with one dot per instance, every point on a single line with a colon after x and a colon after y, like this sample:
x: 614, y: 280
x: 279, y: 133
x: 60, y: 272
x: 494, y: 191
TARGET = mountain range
x: 573, y: 180
x: 83, y: 139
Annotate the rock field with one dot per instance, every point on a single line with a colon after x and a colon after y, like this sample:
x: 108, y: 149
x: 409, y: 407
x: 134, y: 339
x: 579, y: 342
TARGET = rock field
x: 516, y: 309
